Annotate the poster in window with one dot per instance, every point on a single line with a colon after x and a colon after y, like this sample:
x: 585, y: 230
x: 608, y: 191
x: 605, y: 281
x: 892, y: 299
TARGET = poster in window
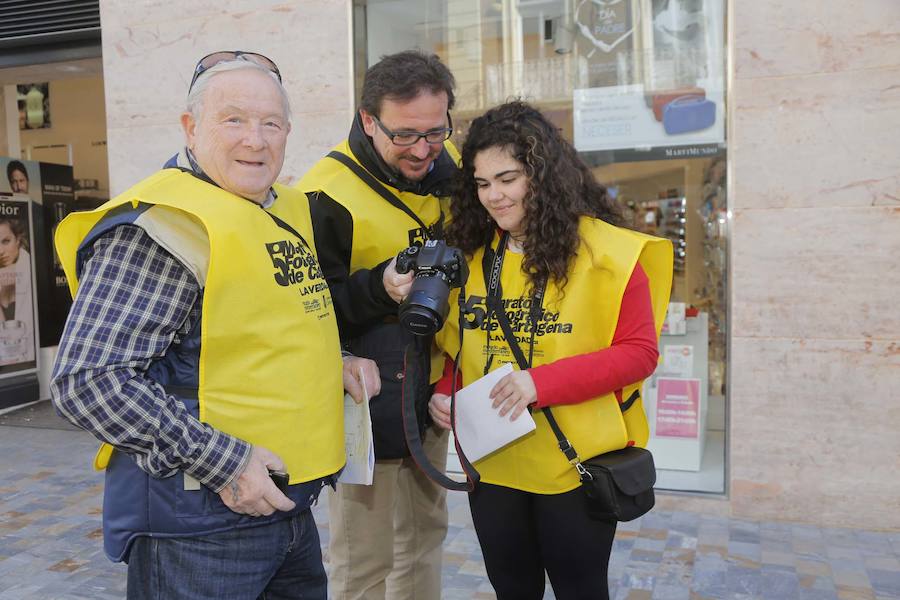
x: 51, y: 190
x: 677, y: 408
x: 605, y: 42
x: 660, y: 83
x: 34, y: 105
x: 17, y: 323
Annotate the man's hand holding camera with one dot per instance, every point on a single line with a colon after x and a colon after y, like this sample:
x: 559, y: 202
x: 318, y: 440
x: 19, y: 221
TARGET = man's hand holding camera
x: 397, y: 285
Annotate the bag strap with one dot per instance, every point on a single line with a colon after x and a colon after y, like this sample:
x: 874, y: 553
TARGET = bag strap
x: 289, y: 229
x: 492, y: 266
x: 382, y: 191
x: 564, y: 445
x: 492, y: 278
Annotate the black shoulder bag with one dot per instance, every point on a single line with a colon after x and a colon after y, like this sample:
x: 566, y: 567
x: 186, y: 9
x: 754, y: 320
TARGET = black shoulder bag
x: 619, y: 484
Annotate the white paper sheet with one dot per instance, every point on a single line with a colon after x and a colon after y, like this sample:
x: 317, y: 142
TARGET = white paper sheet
x: 358, y: 442
x: 479, y: 428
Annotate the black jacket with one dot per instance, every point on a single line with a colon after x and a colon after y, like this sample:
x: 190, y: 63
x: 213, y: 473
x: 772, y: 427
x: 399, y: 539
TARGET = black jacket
x: 366, y: 315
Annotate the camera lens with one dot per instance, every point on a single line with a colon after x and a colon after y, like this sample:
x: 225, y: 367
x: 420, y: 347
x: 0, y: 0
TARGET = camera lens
x: 425, y: 308
x: 438, y: 267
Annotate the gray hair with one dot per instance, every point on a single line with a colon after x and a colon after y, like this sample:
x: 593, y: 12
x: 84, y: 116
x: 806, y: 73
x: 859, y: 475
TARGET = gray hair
x: 194, y: 103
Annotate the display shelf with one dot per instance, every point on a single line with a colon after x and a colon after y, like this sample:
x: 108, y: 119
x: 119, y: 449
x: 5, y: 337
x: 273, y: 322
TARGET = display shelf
x: 710, y: 478
x: 666, y: 217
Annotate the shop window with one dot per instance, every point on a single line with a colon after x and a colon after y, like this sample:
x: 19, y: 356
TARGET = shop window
x: 638, y: 87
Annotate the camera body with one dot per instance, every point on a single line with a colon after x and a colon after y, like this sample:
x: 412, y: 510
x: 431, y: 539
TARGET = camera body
x: 438, y: 268
x: 281, y: 480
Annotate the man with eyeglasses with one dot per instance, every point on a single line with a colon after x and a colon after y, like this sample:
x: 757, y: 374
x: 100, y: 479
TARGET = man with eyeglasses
x: 203, y: 350
x: 378, y: 192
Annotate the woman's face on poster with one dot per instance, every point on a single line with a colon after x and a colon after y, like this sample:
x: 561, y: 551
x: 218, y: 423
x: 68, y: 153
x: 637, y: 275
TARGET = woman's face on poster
x: 9, y: 245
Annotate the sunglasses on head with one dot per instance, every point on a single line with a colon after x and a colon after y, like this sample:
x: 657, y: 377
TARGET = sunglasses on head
x: 211, y: 60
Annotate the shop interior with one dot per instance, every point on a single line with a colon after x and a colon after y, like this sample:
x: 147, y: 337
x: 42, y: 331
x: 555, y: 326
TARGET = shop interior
x: 684, y: 201
x: 54, y: 125
x: 69, y: 125
x: 545, y: 51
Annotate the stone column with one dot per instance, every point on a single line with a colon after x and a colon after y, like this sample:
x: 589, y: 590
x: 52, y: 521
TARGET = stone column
x: 814, y: 173
x: 150, y: 49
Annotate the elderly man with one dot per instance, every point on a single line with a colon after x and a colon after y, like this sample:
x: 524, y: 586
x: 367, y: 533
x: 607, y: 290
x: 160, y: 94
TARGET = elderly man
x: 376, y: 193
x: 202, y: 349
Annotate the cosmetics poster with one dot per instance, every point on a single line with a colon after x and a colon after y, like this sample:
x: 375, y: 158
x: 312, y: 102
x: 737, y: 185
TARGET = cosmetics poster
x: 18, y: 340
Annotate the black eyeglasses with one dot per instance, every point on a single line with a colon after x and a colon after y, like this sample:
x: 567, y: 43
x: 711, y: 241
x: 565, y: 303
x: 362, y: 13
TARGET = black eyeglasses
x: 211, y: 60
x: 410, y: 138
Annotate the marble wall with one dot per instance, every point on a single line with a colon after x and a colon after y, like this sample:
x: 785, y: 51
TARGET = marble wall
x: 150, y: 48
x: 814, y: 169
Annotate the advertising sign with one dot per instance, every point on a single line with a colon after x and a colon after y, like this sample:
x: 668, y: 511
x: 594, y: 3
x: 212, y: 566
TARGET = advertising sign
x: 51, y: 190
x: 650, y: 74
x: 628, y: 116
x: 18, y: 342
x: 678, y: 408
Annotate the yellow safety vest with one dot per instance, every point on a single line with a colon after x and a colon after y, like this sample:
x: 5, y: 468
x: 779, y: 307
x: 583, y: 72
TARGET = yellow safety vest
x: 270, y: 361
x: 380, y: 230
x: 582, y: 319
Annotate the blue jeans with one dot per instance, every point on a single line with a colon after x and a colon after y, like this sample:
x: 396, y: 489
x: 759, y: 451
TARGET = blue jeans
x: 278, y: 561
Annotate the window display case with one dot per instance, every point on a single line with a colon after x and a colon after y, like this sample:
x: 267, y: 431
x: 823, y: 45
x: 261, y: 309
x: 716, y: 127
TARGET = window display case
x: 638, y: 86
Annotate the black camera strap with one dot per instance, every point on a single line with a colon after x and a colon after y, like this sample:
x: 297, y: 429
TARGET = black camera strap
x: 437, y: 230
x: 415, y: 350
x: 290, y: 229
x: 492, y: 267
x: 412, y: 361
x: 495, y: 305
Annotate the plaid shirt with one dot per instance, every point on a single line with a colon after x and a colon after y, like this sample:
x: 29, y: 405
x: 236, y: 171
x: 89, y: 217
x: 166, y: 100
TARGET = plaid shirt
x: 134, y: 302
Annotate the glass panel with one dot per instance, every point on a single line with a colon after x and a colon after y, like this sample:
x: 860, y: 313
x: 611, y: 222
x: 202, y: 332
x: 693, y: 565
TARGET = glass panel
x: 638, y: 87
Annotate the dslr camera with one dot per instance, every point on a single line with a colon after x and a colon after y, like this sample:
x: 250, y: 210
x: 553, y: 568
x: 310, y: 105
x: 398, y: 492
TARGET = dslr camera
x: 438, y: 267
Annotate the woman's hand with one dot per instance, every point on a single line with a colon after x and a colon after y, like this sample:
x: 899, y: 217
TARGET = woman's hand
x: 514, y: 393
x: 439, y: 409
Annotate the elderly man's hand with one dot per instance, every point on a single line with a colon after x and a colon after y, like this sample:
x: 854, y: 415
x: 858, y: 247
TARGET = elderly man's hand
x: 396, y: 284
x: 253, y: 492
x: 359, y: 371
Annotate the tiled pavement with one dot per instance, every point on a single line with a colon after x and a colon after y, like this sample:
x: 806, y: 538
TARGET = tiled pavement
x: 50, y: 544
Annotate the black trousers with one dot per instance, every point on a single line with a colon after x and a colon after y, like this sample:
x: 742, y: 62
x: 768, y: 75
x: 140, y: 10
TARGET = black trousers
x: 522, y: 535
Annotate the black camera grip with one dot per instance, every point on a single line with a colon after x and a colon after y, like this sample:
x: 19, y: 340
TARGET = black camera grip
x: 281, y: 480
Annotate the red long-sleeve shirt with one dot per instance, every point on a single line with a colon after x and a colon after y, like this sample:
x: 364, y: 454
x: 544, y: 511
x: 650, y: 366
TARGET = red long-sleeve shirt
x: 632, y: 356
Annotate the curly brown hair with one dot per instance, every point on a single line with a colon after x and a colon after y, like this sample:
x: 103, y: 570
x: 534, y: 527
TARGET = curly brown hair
x: 561, y: 189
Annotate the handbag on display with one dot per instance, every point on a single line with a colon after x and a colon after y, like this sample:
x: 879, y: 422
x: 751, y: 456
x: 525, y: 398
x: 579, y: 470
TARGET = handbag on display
x: 660, y: 100
x: 687, y: 114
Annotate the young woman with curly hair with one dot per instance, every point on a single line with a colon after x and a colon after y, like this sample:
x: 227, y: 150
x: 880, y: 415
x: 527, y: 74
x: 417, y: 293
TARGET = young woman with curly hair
x: 584, y: 299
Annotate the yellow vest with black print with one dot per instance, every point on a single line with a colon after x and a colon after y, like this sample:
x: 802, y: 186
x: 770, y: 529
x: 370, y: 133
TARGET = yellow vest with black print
x: 270, y: 362
x: 582, y: 319
x: 380, y: 230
